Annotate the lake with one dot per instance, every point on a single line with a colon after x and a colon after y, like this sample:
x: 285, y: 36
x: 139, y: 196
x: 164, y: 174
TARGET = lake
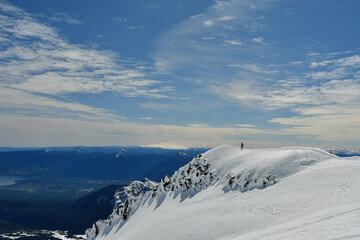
x: 8, y: 180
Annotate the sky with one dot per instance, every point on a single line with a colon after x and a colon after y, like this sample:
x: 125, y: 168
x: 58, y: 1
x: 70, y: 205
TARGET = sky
x: 179, y: 73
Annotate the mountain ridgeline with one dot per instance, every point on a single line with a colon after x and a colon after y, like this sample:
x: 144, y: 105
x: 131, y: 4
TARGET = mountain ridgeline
x: 230, y: 193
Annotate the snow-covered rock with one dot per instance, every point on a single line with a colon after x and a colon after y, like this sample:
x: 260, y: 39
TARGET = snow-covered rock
x: 124, y: 198
x: 229, y: 193
x: 120, y: 153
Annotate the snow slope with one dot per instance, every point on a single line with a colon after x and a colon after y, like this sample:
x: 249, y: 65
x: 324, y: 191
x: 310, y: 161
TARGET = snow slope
x: 229, y: 193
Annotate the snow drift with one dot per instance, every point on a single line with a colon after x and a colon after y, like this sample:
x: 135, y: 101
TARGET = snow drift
x: 229, y: 193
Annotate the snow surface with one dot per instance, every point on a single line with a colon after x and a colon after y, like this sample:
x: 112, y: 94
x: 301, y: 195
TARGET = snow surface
x: 228, y: 193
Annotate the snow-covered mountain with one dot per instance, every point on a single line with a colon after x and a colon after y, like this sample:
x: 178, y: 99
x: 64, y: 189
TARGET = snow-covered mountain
x: 229, y: 193
x: 342, y: 152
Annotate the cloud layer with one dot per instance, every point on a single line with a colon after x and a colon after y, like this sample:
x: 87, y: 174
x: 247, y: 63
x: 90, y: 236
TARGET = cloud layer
x: 68, y: 132
x: 319, y: 91
x: 231, y: 54
x: 38, y: 65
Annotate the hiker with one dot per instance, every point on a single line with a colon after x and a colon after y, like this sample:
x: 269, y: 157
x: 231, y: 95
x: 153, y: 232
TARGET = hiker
x: 242, y: 146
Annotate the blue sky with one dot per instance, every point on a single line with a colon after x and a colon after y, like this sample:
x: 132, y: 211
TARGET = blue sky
x: 138, y: 72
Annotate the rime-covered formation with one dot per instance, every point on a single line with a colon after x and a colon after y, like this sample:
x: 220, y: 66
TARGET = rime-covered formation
x: 227, y: 167
x: 194, y: 175
x: 125, y: 199
x: 198, y: 175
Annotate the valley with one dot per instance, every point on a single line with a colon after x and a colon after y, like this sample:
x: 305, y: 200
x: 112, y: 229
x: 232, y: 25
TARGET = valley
x: 68, y: 189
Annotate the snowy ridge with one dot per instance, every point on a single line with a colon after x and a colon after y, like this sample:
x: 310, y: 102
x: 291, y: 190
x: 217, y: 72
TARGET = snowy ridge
x: 124, y: 198
x: 225, y: 168
x: 241, y: 169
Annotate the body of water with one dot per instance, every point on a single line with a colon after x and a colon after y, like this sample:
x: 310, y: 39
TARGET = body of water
x: 8, y: 180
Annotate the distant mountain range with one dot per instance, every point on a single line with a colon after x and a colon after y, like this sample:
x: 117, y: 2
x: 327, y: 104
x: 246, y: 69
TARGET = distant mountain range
x: 342, y: 152
x: 120, y: 163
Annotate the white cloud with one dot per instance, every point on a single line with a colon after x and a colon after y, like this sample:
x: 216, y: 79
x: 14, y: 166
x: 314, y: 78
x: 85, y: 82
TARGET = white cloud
x: 32, y: 104
x: 273, y: 93
x: 225, y: 18
x: 326, y: 127
x: 260, y: 40
x: 183, y: 46
x: 208, y: 23
x: 342, y: 67
x: 149, y: 118
x: 337, y: 73
x: 64, y: 17
x: 211, y: 22
x: 350, y: 61
x: 260, y: 74
x: 5, y: 7
x: 233, y: 42
x: 38, y: 67
x: 40, y: 131
x: 319, y: 64
x: 246, y: 125
x: 35, y: 59
x: 296, y: 62
x: 58, y: 66
x: 324, y: 102
x: 132, y: 27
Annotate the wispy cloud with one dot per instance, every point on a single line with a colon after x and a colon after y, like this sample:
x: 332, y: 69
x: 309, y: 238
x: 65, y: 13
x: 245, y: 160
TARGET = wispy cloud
x: 246, y: 125
x: 27, y: 103
x: 127, y: 23
x: 256, y: 68
x: 41, y: 131
x: 280, y: 91
x: 132, y: 27
x: 323, y: 126
x: 233, y: 42
x: 35, y: 60
x: 324, y: 102
x: 225, y: 53
x: 260, y: 74
x: 149, y: 118
x: 260, y: 40
x: 184, y: 46
x: 64, y: 17
x: 219, y: 20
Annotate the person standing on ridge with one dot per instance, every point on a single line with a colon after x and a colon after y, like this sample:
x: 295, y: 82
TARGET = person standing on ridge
x: 242, y: 146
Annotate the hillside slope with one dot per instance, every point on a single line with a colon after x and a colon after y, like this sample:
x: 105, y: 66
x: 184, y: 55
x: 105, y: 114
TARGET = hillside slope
x: 229, y: 193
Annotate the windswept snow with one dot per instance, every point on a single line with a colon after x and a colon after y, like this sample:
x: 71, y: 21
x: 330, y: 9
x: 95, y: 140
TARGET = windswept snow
x: 280, y: 193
